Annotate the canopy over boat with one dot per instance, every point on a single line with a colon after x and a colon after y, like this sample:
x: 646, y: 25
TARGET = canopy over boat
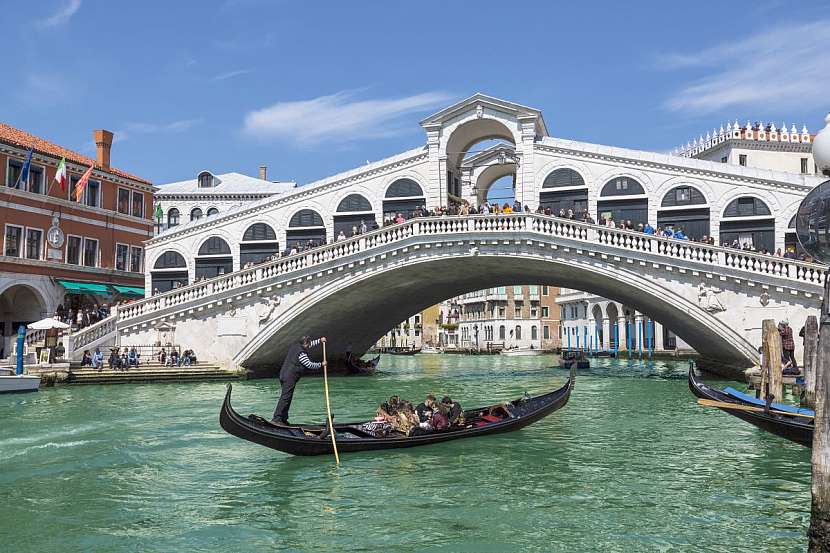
x: 357, y: 436
x: 789, y: 422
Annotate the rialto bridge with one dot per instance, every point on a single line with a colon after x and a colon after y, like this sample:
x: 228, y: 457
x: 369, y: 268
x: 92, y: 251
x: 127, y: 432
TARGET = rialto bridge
x: 354, y: 290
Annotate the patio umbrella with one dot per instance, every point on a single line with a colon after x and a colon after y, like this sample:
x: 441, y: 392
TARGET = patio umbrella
x: 46, y: 324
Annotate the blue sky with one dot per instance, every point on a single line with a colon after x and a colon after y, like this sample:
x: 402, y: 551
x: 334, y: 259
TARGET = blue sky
x: 311, y: 89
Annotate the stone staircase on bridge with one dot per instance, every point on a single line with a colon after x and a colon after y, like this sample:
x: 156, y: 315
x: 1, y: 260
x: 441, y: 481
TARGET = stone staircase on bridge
x: 200, y: 371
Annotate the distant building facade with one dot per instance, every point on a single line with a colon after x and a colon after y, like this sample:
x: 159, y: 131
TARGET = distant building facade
x: 61, y: 251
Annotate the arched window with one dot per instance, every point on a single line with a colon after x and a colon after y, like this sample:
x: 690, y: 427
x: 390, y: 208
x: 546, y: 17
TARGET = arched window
x: 534, y: 333
x: 306, y: 218
x: 791, y: 224
x: 404, y: 188
x: 563, y: 177
x: 215, y: 246
x: 683, y: 195
x: 212, y: 211
x: 172, y: 217
x: 502, y: 332
x: 259, y: 231
x: 195, y: 214
x: 746, y: 206
x: 206, y: 180
x: 518, y: 332
x: 622, y: 186
x: 170, y: 260
x: 354, y: 202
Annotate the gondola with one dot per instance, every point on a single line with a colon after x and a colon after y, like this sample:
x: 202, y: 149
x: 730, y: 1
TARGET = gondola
x: 310, y: 439
x: 367, y: 368
x: 794, y: 428
x: 403, y: 351
x: 568, y: 358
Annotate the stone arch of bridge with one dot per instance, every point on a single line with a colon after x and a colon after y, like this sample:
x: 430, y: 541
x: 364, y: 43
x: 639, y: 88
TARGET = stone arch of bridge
x: 355, y: 310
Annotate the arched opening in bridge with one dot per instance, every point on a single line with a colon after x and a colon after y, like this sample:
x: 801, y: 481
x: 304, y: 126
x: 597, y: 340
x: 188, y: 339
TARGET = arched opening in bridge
x: 169, y: 271
x: 747, y: 222
x: 490, y: 168
x: 623, y: 199
x: 173, y: 217
x: 212, y: 211
x: 791, y: 244
x: 259, y: 242
x: 306, y: 228
x: 19, y: 305
x: 597, y: 334
x: 353, y: 211
x: 562, y: 190
x: 195, y: 213
x: 613, y: 315
x: 403, y: 196
x: 462, y: 141
x: 214, y: 258
x: 685, y: 208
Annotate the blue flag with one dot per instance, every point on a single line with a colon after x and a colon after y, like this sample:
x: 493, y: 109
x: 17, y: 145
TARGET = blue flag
x: 24, y: 171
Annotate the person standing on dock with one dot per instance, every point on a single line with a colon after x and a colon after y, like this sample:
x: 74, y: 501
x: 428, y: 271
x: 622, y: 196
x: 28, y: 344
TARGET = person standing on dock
x: 292, y: 368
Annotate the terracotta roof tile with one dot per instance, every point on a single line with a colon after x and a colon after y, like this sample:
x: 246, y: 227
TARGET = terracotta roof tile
x: 27, y: 140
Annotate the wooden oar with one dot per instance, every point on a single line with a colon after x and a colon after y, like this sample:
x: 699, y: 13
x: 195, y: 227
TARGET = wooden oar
x: 739, y: 407
x: 328, y: 406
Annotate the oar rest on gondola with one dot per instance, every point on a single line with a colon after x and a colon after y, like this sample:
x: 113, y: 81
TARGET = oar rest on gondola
x: 791, y: 423
x: 310, y: 439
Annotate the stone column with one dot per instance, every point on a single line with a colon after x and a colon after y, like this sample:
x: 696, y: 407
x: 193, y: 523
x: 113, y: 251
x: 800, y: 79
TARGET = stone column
x: 639, y: 333
x: 606, y: 334
x: 433, y: 193
x: 525, y: 178
x: 591, y: 339
x: 658, y: 337
x: 621, y: 346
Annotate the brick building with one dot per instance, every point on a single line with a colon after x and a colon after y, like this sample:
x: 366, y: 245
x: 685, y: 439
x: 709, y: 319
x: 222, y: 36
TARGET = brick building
x: 61, y: 252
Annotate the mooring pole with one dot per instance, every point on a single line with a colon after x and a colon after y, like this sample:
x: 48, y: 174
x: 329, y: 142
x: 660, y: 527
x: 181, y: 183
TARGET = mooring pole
x: 810, y: 347
x: 772, y: 359
x: 819, y: 532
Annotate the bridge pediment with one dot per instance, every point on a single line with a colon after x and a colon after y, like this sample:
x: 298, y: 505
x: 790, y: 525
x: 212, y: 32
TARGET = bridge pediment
x: 481, y: 105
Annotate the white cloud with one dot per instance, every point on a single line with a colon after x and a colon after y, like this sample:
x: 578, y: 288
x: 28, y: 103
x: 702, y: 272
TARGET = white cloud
x: 63, y: 15
x: 337, y: 118
x: 781, y: 68
x: 230, y: 74
x: 133, y: 129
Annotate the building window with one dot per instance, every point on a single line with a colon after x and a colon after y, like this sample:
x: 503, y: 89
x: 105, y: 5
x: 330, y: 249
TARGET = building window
x: 34, y: 242
x: 804, y: 168
x: 136, y: 257
x: 90, y: 252
x: 501, y: 332
x: 36, y: 179
x: 622, y: 184
x: 124, y: 201
x: 212, y: 211
x: 682, y: 194
x: 195, y: 214
x: 501, y: 290
x: 501, y: 312
x: 138, y: 204
x: 13, y: 172
x: 518, y: 332
x: 173, y: 217
x: 544, y: 290
x: 724, y: 159
x: 93, y: 193
x: 742, y: 159
x: 534, y: 333
x: 534, y: 311
x: 517, y: 312
x: 14, y: 241
x: 517, y: 290
x: 205, y: 180
x: 73, y: 250
x: 546, y: 332
x: 545, y: 311
x: 533, y: 290
x: 122, y: 251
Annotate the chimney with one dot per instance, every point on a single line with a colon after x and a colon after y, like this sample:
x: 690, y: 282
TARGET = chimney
x: 263, y: 172
x: 103, y: 143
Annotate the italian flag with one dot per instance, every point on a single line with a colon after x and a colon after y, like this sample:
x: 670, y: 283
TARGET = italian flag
x: 60, y: 174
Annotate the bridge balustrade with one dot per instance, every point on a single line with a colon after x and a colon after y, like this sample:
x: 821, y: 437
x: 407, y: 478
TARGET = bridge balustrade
x: 518, y: 222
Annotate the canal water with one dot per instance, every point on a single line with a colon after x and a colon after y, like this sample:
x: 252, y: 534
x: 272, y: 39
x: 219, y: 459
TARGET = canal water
x: 630, y: 464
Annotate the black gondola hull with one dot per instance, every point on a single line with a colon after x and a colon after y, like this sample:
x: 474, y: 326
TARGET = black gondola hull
x: 291, y: 440
x: 795, y: 429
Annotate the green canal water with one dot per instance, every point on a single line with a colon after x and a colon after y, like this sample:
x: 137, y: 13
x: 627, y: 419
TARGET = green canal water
x: 630, y: 464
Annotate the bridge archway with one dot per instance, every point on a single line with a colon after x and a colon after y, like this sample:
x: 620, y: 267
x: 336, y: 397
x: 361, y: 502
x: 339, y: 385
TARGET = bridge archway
x: 305, y: 226
x: 685, y: 207
x: 169, y: 271
x: 213, y: 258
x: 623, y: 198
x: 351, y: 211
x: 419, y: 283
x: 404, y: 195
x: 563, y: 189
x: 259, y: 242
x: 749, y: 221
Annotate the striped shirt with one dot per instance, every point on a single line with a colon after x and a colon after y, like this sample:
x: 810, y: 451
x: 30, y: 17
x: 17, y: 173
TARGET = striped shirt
x: 305, y: 361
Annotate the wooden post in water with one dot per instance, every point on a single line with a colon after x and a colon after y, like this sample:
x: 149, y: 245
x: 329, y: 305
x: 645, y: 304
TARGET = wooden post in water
x: 819, y: 532
x: 772, y: 359
x: 810, y: 347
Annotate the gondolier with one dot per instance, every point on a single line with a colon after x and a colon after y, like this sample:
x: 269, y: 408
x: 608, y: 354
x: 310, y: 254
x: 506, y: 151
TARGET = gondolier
x: 292, y: 369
